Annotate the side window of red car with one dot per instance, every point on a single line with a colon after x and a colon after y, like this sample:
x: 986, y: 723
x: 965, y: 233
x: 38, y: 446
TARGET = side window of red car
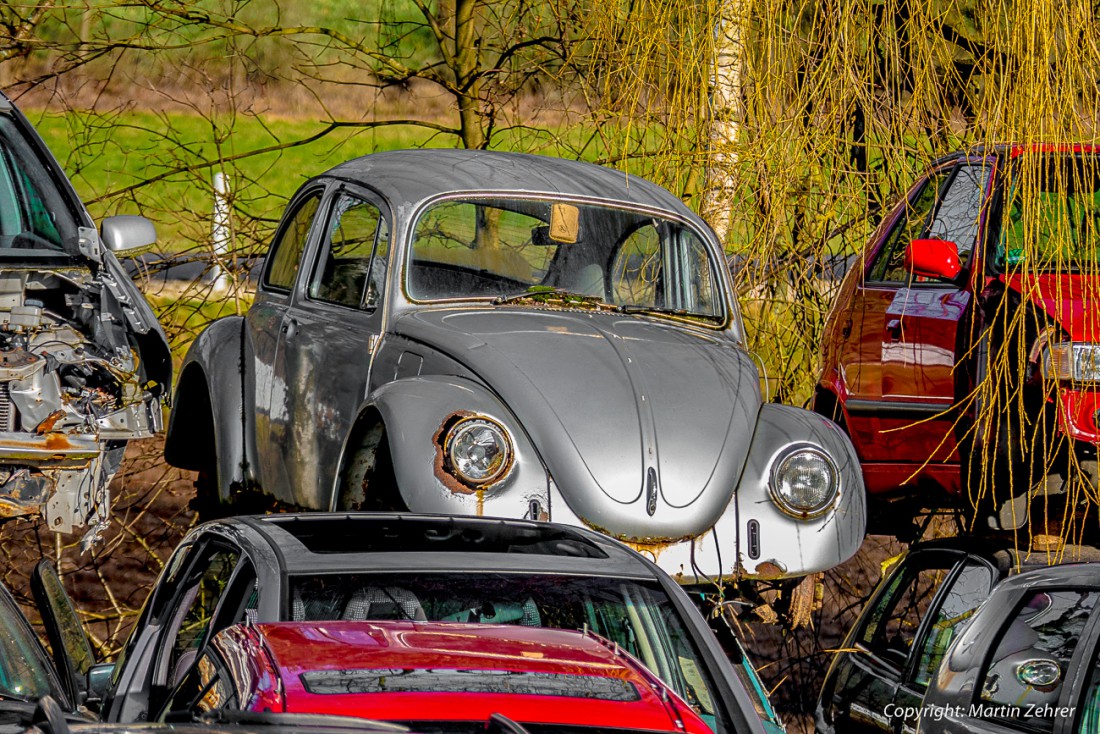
x: 960, y: 209
x: 888, y: 266
x: 290, y: 243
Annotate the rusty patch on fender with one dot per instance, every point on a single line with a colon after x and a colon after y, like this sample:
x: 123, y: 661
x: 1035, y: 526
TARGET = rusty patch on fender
x: 768, y: 570
x: 440, y: 465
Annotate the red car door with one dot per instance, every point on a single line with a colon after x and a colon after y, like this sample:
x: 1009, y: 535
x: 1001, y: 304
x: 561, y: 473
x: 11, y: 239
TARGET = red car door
x: 896, y: 373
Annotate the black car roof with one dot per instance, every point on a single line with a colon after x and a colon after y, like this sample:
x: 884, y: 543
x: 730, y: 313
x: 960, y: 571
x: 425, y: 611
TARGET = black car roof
x: 1005, y: 556
x: 367, y: 542
x: 415, y: 175
x: 1070, y: 574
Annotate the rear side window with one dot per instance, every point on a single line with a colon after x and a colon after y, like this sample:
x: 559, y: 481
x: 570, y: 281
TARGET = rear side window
x: 969, y: 589
x: 892, y: 625
x: 1023, y: 679
x: 286, y: 252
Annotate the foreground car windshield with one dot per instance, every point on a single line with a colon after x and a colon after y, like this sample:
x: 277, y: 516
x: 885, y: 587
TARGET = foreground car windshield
x: 639, y: 617
x: 24, y: 672
x: 595, y: 256
x: 1052, y: 216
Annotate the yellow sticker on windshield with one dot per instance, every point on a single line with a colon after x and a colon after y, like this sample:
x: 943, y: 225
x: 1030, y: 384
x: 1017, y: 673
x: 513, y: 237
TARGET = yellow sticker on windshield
x: 564, y: 223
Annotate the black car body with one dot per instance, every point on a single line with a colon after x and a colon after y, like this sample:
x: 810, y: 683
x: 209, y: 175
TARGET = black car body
x: 370, y: 566
x: 1027, y: 662
x: 878, y: 679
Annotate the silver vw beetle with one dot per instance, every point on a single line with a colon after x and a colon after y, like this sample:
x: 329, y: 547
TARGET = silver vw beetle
x: 471, y: 332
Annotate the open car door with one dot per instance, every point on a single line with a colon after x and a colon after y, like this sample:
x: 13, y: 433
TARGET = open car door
x: 72, y: 653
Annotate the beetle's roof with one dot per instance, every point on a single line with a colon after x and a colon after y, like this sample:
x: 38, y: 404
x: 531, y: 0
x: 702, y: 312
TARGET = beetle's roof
x: 356, y: 542
x: 415, y: 175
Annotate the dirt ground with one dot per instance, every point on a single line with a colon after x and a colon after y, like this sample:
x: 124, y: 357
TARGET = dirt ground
x: 151, y: 515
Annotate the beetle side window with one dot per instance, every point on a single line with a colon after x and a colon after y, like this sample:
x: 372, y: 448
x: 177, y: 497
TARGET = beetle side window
x: 892, y: 625
x: 286, y: 251
x: 1025, y: 672
x: 889, y: 265
x: 352, y: 268
x: 969, y: 589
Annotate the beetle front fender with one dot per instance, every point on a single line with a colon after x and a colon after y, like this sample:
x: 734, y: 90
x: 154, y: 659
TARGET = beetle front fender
x: 209, y: 401
x: 416, y: 412
x: 787, y: 545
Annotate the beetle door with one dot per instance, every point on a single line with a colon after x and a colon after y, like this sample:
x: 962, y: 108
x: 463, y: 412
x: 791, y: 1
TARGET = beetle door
x: 69, y: 645
x: 332, y: 328
x: 903, y: 333
x: 265, y: 321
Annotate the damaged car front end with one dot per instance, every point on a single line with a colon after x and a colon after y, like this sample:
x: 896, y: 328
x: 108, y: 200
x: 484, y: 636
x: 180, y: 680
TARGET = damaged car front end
x: 83, y: 361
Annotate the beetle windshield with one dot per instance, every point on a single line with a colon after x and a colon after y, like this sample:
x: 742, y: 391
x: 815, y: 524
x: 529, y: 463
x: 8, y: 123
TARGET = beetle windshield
x: 1052, y: 214
x: 639, y: 617
x: 562, y: 254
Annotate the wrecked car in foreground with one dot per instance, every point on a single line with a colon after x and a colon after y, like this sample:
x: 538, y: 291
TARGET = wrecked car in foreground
x: 485, y: 333
x: 83, y: 360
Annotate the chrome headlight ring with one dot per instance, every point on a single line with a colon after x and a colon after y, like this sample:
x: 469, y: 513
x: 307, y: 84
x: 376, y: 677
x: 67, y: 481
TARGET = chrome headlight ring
x: 478, y: 451
x: 804, y: 481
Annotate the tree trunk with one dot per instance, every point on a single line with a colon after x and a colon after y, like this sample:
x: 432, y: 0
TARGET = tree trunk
x: 727, y: 113
x: 466, y: 68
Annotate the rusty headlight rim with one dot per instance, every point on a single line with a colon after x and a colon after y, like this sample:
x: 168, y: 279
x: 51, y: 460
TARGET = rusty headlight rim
x: 788, y: 508
x: 504, y: 442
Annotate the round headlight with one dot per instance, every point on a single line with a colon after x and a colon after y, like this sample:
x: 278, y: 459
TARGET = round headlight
x: 804, y: 482
x: 478, y: 450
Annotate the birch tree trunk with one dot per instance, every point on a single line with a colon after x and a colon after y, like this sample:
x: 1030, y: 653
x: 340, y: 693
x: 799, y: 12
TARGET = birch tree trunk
x: 726, y: 114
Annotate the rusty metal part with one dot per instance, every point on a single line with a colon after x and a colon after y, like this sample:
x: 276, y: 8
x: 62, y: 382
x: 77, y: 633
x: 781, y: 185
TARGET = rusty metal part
x: 47, y: 425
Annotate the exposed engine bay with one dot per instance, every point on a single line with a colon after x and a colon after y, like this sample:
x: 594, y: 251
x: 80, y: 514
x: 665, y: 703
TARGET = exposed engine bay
x: 73, y: 390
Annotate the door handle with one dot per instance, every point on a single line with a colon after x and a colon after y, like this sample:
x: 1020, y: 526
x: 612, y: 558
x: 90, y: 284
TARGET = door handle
x: 289, y: 328
x: 893, y: 327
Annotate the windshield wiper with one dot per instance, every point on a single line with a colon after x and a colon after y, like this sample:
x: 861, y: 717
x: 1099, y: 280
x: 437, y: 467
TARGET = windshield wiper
x: 638, y: 308
x: 548, y: 292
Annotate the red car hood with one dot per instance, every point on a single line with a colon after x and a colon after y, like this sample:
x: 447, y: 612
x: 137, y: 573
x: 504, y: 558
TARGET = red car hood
x: 1073, y: 300
x: 423, y: 671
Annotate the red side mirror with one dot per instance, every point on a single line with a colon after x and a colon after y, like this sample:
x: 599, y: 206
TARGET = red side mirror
x: 933, y: 259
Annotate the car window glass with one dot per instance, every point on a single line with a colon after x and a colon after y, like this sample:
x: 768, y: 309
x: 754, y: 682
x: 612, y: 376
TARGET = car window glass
x: 286, y: 251
x: 23, y: 668
x: 1023, y: 679
x: 892, y: 624
x: 639, y: 617
x: 970, y: 588
x: 636, y: 272
x: 1088, y: 717
x: 208, y: 686
x: 200, y: 595
x: 350, y: 263
x: 959, y: 212
x: 1051, y: 216
x: 33, y: 211
x: 889, y: 263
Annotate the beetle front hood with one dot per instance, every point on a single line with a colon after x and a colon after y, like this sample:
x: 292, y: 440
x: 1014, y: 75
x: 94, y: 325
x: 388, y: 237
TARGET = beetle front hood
x: 1069, y: 298
x: 644, y: 426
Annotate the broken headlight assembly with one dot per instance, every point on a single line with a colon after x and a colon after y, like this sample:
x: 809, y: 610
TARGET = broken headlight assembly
x: 478, y: 451
x: 805, y: 482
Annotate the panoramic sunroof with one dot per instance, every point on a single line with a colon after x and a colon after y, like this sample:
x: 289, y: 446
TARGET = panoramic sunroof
x: 387, y: 534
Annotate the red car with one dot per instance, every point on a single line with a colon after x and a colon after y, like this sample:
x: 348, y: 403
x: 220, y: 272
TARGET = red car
x: 962, y: 355
x: 432, y: 676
